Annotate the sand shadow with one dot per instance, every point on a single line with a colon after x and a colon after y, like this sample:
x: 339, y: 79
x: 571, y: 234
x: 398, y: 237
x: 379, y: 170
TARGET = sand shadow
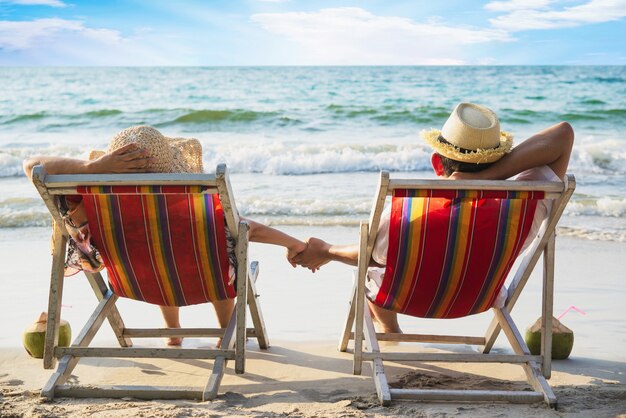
x: 599, y: 369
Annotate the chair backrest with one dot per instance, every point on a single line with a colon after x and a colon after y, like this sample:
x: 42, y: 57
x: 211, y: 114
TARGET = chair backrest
x: 161, y: 244
x: 450, y: 250
x: 448, y: 256
x: 162, y: 237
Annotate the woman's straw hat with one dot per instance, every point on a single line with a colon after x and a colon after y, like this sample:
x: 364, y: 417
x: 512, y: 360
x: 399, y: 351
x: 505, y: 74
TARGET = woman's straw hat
x: 168, y: 155
x: 471, y: 134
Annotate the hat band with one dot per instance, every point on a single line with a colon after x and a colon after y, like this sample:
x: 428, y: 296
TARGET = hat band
x: 461, y: 150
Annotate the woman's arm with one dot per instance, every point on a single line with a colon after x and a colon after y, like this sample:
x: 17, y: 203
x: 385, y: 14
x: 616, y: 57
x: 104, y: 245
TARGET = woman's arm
x: 268, y: 235
x: 127, y: 159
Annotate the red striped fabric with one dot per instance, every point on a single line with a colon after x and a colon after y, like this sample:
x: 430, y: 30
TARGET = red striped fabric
x: 449, y: 257
x: 470, y: 194
x: 165, y: 246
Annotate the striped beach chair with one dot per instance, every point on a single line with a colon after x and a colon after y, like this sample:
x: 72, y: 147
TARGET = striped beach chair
x: 162, y: 238
x: 452, y: 246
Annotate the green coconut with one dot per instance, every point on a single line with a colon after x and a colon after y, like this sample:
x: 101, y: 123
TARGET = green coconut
x: 562, y: 339
x: 34, y: 336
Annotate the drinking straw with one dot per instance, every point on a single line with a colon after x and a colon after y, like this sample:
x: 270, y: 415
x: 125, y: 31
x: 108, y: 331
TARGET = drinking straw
x: 571, y: 308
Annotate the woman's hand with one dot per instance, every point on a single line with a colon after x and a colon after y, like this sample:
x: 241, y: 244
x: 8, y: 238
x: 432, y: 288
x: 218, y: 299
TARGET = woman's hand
x: 295, y: 250
x: 127, y: 159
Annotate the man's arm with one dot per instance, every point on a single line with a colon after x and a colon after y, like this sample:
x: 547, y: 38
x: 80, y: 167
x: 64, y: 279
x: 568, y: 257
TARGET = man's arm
x: 551, y: 147
x: 127, y: 159
x: 319, y: 252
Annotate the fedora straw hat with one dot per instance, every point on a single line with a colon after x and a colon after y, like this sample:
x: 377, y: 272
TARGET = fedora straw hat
x: 169, y: 155
x: 471, y: 134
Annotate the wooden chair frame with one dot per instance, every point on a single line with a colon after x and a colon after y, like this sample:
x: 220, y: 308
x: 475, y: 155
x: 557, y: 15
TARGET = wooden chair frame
x: 233, y: 336
x: 537, y: 368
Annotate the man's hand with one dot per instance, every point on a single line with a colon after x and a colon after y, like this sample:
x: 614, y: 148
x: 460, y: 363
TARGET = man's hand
x: 314, y: 256
x: 127, y: 159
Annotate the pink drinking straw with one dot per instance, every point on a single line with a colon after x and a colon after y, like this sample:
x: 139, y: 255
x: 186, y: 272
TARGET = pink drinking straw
x: 571, y: 308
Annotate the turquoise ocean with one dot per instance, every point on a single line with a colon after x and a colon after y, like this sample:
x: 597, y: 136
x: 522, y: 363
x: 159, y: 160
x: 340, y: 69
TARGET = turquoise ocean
x: 305, y: 144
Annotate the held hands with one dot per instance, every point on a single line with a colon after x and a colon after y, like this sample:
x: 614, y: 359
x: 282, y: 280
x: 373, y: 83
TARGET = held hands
x: 127, y: 159
x: 294, y: 250
x: 313, y: 256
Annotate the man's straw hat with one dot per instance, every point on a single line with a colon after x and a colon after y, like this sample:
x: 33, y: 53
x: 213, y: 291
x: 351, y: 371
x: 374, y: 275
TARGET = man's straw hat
x: 471, y: 134
x: 169, y: 155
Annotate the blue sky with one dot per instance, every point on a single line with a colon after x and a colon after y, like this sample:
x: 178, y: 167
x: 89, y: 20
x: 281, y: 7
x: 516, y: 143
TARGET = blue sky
x: 314, y: 32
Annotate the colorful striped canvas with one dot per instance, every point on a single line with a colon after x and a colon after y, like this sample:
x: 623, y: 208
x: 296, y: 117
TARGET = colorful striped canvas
x: 450, y: 253
x: 161, y: 244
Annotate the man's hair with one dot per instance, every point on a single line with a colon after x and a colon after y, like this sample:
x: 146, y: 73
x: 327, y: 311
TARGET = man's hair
x: 450, y: 166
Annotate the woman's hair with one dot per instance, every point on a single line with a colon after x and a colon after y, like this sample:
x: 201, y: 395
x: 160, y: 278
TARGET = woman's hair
x: 450, y: 166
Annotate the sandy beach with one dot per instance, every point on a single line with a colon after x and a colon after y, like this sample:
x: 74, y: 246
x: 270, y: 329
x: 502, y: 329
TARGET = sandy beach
x: 303, y: 374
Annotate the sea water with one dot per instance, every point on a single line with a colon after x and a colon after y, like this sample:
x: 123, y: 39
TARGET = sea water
x: 304, y: 145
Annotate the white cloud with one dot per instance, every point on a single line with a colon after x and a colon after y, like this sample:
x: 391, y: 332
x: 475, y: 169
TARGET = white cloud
x: 70, y: 42
x: 543, y: 15
x: 507, y: 6
x: 20, y: 35
x: 51, y: 3
x: 351, y: 35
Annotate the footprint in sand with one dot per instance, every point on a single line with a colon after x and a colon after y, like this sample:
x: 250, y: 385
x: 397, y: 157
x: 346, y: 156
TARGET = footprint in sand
x: 13, y: 382
x: 152, y: 372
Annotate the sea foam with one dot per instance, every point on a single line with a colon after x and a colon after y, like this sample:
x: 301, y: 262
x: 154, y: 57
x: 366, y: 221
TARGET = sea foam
x: 286, y: 158
x: 604, y: 206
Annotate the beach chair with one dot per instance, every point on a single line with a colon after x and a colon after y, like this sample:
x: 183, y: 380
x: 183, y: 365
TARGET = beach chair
x: 452, y: 263
x: 163, y: 240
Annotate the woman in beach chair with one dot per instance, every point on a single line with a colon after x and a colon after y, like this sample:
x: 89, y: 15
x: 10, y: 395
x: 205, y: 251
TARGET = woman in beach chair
x: 143, y: 149
x: 462, y: 151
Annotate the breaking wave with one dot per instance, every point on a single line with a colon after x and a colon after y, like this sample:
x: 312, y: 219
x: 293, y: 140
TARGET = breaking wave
x: 311, y: 157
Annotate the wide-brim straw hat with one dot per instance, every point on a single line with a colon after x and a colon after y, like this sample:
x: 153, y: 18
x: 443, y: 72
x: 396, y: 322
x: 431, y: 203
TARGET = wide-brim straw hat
x: 471, y: 134
x: 168, y: 155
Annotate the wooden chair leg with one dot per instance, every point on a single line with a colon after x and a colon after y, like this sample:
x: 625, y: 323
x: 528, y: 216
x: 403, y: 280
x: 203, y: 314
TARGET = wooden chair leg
x: 55, y: 296
x: 531, y: 368
x: 255, y: 309
x: 220, y: 363
x: 84, y: 338
x: 347, y: 329
x: 115, y: 319
x: 547, y: 307
x: 360, y: 300
x: 242, y: 296
x: 378, y: 370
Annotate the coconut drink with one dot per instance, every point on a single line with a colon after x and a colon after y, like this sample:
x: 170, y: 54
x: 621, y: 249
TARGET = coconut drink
x: 34, y: 336
x: 562, y: 339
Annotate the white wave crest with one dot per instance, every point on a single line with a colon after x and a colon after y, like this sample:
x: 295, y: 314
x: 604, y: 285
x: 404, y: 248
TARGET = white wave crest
x: 10, y: 166
x: 608, y: 156
x: 605, y: 206
x: 593, y: 234
x: 303, y: 207
x: 18, y: 218
x: 282, y: 158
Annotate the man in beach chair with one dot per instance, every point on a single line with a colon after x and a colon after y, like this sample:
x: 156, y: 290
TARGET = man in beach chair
x: 166, y: 239
x: 444, y: 249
